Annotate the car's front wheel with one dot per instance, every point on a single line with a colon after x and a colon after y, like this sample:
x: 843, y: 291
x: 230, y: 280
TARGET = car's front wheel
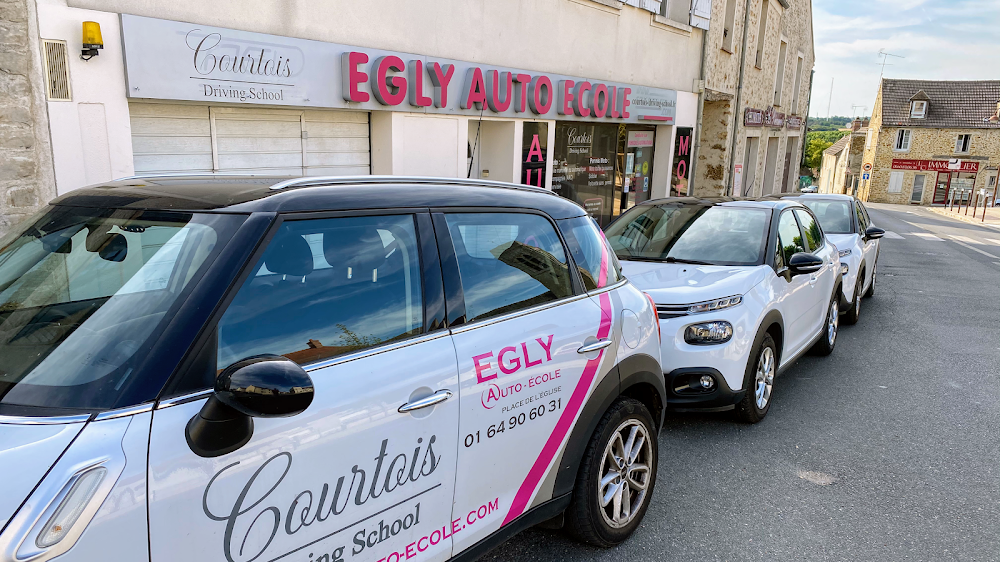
x: 854, y: 313
x: 616, y: 476
x: 871, y: 286
x: 828, y: 340
x: 759, y: 382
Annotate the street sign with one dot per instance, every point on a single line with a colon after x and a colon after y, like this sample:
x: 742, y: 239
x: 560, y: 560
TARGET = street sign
x: 866, y: 176
x: 868, y: 168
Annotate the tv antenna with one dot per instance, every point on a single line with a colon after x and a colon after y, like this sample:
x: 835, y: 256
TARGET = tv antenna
x: 854, y: 109
x: 885, y: 56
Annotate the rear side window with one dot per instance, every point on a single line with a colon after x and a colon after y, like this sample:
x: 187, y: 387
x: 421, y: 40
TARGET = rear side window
x: 327, y: 287
x: 789, y: 236
x: 814, y: 236
x: 590, y: 251
x: 508, y: 262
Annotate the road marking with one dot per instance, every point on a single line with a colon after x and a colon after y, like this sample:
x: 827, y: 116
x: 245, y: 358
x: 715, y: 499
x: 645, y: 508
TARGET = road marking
x: 927, y: 236
x: 993, y: 241
x: 892, y: 235
x: 987, y: 254
x: 965, y: 239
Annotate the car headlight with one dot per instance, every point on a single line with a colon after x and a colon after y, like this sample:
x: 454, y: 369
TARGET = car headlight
x: 709, y: 333
x: 713, y: 305
x: 844, y: 268
x: 845, y: 253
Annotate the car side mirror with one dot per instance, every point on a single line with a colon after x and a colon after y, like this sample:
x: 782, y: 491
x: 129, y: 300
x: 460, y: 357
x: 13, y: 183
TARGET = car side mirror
x: 802, y: 263
x: 874, y: 233
x: 263, y: 386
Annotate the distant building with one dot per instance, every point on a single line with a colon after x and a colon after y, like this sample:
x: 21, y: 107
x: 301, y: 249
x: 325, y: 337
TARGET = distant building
x: 841, y: 170
x: 931, y: 139
x: 758, y: 73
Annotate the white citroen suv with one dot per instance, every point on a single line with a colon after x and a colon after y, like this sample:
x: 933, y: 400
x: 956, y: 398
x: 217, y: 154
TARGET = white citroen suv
x: 845, y: 221
x: 742, y: 288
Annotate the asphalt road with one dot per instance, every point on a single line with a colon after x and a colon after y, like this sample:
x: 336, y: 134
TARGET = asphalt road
x: 887, y: 450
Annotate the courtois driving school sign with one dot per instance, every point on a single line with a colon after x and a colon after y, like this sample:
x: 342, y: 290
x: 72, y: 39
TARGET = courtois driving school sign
x: 172, y: 60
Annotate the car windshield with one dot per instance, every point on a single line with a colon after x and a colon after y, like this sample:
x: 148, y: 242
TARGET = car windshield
x: 84, y: 293
x: 682, y: 232
x: 834, y: 216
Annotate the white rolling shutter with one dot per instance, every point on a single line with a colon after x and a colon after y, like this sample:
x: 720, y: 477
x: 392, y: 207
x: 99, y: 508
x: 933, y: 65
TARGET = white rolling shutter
x: 196, y: 138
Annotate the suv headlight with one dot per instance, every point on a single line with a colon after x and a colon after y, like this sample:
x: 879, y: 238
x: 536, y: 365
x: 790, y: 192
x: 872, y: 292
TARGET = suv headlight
x: 713, y: 305
x: 709, y: 333
x: 845, y: 253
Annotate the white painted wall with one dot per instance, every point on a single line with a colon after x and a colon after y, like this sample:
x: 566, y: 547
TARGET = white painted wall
x: 91, y: 135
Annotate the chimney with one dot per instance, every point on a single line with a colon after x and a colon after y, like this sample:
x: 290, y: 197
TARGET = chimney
x: 856, y: 125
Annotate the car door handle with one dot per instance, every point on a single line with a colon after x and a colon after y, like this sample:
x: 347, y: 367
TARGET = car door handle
x: 596, y: 346
x: 813, y: 279
x: 426, y: 402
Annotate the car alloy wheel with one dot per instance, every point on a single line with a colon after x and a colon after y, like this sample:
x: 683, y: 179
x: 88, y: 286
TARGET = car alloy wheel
x: 832, y: 321
x: 765, y: 378
x: 625, y: 473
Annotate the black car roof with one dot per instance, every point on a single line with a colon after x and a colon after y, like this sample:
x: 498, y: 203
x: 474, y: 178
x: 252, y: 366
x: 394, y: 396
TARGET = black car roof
x: 246, y: 194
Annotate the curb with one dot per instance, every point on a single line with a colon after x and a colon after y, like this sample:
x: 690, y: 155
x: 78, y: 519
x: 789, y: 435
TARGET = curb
x: 961, y: 217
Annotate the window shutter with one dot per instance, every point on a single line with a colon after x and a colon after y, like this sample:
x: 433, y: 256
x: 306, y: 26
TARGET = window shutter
x: 896, y: 182
x: 56, y: 70
x: 701, y: 13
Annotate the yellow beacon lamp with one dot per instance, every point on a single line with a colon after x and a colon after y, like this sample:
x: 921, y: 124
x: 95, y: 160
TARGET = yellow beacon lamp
x: 92, y: 40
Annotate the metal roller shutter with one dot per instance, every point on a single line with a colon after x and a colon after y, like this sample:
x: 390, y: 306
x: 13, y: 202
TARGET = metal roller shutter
x: 196, y: 138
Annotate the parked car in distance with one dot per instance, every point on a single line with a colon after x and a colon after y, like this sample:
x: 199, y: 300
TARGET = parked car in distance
x: 846, y: 223
x: 373, y: 367
x: 809, y: 189
x: 742, y: 288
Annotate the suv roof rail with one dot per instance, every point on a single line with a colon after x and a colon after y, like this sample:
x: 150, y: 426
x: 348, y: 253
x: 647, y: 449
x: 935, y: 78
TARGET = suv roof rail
x: 326, y: 180
x: 186, y: 175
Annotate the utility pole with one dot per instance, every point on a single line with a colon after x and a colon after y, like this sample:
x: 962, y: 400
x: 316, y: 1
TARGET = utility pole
x: 830, y: 103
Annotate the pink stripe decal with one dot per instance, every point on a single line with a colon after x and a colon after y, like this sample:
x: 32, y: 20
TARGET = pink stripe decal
x: 602, y: 277
x: 564, y: 424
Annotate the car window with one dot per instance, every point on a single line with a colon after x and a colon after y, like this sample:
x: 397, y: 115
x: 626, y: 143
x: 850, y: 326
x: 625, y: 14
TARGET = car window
x: 508, y: 262
x: 589, y: 249
x: 834, y: 216
x: 327, y: 287
x: 719, y: 235
x: 789, y: 236
x: 863, y: 220
x: 814, y: 236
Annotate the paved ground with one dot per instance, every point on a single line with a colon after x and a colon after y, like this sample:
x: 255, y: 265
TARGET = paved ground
x: 904, y: 416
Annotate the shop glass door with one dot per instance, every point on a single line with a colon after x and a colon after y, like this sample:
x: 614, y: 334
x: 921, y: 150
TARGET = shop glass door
x: 635, y: 160
x: 941, y: 191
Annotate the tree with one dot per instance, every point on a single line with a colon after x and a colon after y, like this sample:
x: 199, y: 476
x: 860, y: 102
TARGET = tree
x: 814, y: 152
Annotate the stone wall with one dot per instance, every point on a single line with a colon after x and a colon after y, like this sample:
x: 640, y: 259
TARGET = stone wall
x: 792, y: 25
x: 26, y: 177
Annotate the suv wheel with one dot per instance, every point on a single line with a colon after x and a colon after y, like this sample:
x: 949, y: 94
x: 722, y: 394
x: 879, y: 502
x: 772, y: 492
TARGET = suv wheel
x: 616, y: 476
x: 828, y: 341
x: 759, y: 382
x: 855, y: 312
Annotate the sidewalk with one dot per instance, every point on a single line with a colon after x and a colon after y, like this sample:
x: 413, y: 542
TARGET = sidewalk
x: 992, y: 215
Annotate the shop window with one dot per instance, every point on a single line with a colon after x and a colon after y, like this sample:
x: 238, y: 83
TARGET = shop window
x: 903, y: 138
x: 962, y: 144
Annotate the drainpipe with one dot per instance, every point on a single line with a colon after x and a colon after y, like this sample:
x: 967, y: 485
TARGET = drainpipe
x: 739, y: 100
x: 693, y: 173
x: 805, y: 132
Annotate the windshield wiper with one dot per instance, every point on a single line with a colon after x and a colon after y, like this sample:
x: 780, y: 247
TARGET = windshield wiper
x: 672, y: 259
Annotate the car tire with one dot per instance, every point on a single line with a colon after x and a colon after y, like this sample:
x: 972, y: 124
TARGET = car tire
x: 759, y: 382
x: 587, y: 520
x: 871, y: 286
x: 852, y: 315
x: 831, y: 325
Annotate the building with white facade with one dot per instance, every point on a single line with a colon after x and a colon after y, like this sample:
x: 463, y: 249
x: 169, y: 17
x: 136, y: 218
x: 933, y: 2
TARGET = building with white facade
x: 585, y: 97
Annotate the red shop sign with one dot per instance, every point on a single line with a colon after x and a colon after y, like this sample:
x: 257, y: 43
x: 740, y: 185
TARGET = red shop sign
x: 753, y: 118
x: 935, y: 165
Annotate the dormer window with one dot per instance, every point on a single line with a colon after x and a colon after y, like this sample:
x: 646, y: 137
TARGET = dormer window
x: 918, y: 109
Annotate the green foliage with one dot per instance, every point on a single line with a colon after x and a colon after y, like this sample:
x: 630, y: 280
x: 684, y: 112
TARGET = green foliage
x: 828, y: 136
x: 828, y: 123
x: 814, y: 152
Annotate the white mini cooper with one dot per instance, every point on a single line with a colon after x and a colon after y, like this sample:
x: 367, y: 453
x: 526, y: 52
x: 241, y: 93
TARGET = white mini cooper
x: 742, y: 288
x: 318, y: 370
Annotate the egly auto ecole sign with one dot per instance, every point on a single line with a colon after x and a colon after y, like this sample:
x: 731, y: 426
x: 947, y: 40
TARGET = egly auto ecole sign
x: 172, y: 60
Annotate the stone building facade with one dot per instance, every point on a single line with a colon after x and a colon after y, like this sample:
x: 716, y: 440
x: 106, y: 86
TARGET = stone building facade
x: 931, y: 141
x: 26, y: 176
x: 841, y: 169
x: 758, y: 72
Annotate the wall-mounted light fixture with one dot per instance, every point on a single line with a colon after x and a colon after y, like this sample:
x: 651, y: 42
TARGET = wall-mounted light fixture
x: 92, y: 40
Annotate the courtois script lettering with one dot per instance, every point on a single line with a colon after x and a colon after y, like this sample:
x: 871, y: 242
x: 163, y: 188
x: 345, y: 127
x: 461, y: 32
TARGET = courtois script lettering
x: 264, y: 506
x: 213, y: 57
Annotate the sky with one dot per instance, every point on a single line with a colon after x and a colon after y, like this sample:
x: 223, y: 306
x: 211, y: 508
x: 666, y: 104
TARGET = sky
x: 940, y: 40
